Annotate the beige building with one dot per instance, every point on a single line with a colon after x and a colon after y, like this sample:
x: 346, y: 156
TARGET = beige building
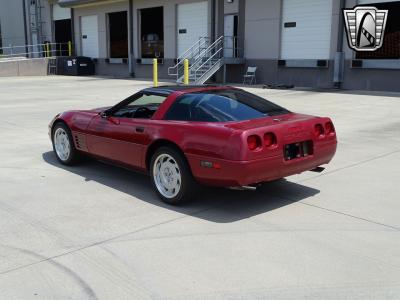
x: 291, y: 42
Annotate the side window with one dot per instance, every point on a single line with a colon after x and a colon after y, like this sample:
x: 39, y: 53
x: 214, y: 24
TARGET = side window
x: 142, y: 106
x: 181, y: 109
x: 147, y: 99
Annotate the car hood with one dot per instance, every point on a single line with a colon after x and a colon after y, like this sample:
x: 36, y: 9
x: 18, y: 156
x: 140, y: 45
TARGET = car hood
x: 99, y: 109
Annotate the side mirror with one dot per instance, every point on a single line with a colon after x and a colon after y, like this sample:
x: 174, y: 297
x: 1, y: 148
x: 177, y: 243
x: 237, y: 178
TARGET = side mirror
x: 103, y: 114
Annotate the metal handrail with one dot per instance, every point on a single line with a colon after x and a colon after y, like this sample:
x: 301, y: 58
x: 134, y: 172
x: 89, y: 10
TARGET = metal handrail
x: 209, y: 49
x: 209, y: 59
x: 201, y: 59
x: 205, y: 38
x: 189, y: 53
x: 33, y: 51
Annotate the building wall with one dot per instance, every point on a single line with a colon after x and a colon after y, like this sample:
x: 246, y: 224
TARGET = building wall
x: 13, y: 27
x: 231, y: 8
x: 140, y: 70
x: 170, y: 37
x: 260, y: 33
x: 100, y: 10
x: 263, y: 27
x: 12, y: 23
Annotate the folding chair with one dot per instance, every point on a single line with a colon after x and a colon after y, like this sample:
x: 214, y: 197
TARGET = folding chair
x: 250, y: 76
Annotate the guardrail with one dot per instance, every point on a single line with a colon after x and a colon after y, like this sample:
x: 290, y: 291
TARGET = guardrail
x: 37, y: 51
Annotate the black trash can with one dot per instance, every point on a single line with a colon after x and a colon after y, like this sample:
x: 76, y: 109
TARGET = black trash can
x: 75, y: 66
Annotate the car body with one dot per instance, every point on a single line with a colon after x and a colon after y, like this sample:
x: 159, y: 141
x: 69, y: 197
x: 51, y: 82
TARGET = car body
x: 230, y: 144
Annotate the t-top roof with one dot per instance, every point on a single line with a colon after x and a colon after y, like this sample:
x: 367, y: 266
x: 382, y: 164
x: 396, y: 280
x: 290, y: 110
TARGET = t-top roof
x: 174, y: 88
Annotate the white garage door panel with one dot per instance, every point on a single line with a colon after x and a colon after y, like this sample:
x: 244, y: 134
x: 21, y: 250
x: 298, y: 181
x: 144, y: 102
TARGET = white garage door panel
x: 90, y: 36
x: 194, y: 18
x: 311, y: 37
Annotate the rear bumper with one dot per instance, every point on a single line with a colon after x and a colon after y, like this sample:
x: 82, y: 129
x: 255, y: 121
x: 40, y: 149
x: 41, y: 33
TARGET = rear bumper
x: 240, y: 173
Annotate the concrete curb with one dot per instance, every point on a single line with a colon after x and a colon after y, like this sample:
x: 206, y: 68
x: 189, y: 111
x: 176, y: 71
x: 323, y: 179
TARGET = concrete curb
x: 24, y: 67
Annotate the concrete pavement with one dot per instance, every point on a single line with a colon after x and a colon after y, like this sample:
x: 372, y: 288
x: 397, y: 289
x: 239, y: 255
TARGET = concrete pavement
x: 96, y: 231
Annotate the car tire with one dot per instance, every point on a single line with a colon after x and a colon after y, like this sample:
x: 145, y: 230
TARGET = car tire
x: 171, y: 176
x: 63, y: 145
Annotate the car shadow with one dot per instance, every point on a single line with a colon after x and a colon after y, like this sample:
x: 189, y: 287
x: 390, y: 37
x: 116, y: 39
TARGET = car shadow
x: 213, y: 204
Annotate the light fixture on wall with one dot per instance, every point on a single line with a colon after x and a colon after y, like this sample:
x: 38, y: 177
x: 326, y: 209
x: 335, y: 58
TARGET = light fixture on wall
x: 229, y: 1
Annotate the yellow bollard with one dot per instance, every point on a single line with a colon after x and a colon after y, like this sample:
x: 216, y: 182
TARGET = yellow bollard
x: 69, y: 48
x: 186, y: 71
x: 47, y: 50
x: 155, y: 72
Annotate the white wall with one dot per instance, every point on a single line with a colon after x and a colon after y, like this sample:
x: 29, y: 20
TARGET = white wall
x: 262, y: 23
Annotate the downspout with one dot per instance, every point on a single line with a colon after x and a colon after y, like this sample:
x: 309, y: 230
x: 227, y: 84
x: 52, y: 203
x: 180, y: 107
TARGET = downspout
x: 73, y: 32
x: 25, y: 28
x: 213, y: 20
x: 130, y: 31
x: 339, y: 56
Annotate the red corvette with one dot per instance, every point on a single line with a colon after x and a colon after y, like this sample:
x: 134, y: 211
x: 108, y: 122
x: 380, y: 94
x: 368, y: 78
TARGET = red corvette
x: 184, y: 135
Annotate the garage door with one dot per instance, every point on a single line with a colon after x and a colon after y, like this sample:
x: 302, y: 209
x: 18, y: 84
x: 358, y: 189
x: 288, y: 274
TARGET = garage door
x: 306, y: 29
x: 192, y: 24
x: 90, y: 36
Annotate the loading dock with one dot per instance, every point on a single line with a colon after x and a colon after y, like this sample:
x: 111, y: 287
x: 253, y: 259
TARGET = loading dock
x: 62, y: 28
x: 118, y: 34
x: 152, y: 32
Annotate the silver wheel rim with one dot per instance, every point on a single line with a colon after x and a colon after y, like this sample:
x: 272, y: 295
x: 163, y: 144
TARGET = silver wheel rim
x: 167, y: 176
x: 62, y: 144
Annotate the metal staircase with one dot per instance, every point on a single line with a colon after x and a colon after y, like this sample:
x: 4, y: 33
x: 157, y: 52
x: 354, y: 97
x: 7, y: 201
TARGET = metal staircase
x: 205, y: 59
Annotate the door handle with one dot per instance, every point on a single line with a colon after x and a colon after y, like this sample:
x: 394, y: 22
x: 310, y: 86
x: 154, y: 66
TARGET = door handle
x: 140, y: 129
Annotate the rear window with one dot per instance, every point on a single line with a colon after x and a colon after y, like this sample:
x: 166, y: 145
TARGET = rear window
x: 222, y: 106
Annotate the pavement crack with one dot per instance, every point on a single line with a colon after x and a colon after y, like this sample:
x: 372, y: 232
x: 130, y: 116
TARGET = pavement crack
x: 352, y: 216
x: 351, y: 165
x: 52, y: 258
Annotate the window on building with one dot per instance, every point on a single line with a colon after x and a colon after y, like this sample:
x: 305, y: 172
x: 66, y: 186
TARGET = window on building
x: 152, y: 32
x: 391, y: 42
x: 118, y: 34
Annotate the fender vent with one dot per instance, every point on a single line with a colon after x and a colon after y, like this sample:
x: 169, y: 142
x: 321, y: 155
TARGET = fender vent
x: 80, y: 142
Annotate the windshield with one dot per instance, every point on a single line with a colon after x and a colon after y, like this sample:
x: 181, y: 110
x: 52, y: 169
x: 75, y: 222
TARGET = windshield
x: 222, y: 106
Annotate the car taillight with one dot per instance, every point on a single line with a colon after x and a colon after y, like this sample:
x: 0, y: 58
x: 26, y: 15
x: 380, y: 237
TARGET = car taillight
x: 329, y: 128
x: 253, y: 141
x: 269, y: 139
x: 318, y: 130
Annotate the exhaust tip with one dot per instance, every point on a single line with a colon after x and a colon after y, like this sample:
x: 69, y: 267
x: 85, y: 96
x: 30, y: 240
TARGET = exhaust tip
x: 244, y: 188
x: 318, y: 169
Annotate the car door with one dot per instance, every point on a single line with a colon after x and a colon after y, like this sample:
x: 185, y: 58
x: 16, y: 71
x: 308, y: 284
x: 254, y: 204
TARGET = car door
x: 119, y: 138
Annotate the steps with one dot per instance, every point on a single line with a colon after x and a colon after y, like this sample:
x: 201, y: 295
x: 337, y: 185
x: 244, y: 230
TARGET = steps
x: 205, y: 59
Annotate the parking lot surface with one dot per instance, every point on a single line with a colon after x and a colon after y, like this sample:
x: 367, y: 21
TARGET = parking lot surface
x: 96, y: 231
